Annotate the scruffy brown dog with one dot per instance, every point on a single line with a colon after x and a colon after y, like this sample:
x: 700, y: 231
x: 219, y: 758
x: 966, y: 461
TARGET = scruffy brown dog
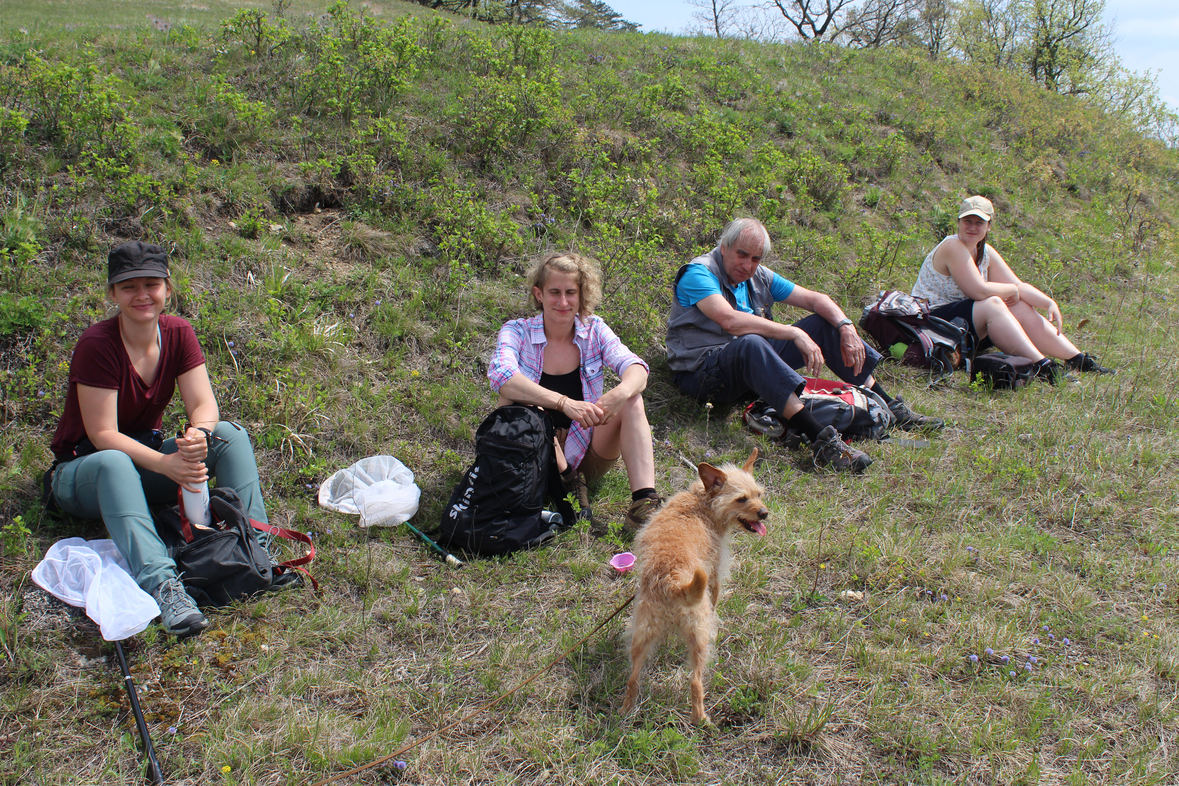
x: 683, y: 560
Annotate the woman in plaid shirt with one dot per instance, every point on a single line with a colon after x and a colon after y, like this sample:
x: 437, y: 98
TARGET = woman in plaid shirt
x: 557, y: 360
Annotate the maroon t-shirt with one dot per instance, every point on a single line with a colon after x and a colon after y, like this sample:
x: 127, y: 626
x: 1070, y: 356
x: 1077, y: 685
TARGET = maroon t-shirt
x: 100, y: 360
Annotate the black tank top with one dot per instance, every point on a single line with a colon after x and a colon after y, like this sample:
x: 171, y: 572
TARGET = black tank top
x: 567, y: 385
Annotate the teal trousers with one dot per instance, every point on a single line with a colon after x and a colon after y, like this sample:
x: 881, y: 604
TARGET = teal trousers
x: 107, y: 486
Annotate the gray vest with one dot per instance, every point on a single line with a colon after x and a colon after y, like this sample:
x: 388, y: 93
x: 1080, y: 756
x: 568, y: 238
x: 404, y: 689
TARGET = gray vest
x: 691, y: 335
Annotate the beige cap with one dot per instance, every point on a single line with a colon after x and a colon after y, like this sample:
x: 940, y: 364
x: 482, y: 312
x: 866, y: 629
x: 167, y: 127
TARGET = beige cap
x: 976, y: 206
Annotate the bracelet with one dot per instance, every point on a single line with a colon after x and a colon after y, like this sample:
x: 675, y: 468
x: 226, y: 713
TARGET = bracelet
x: 561, y: 402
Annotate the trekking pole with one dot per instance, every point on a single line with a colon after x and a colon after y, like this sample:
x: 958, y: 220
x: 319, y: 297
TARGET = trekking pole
x: 153, y: 773
x: 449, y: 558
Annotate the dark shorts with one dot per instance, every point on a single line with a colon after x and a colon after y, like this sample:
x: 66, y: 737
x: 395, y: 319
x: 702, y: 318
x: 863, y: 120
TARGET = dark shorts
x: 965, y: 310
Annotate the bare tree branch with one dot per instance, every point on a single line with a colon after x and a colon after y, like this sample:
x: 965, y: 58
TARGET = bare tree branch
x: 812, y: 18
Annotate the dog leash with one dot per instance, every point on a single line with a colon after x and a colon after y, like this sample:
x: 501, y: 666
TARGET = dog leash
x: 422, y: 740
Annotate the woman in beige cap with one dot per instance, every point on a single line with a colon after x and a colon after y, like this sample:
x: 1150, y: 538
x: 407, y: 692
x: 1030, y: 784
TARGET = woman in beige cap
x: 965, y: 277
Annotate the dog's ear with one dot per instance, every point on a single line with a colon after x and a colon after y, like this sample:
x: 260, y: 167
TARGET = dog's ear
x: 712, y: 478
x: 748, y: 467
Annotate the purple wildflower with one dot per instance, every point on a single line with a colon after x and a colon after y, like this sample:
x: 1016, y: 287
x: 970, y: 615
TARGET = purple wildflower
x: 399, y: 764
x: 988, y: 652
x: 1005, y: 659
x: 973, y: 658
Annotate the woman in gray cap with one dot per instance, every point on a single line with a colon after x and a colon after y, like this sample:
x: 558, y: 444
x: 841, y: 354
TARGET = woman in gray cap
x: 965, y: 277
x: 110, y: 459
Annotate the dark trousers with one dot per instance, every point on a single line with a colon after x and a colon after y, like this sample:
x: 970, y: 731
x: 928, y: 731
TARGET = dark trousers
x: 766, y: 366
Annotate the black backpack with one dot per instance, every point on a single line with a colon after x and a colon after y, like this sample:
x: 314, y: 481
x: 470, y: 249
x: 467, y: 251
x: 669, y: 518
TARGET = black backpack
x: 1000, y: 371
x: 933, y: 343
x: 224, y: 563
x: 498, y: 506
x: 856, y: 412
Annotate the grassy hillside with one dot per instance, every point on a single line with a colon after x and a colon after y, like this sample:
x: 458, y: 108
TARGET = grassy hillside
x: 350, y: 199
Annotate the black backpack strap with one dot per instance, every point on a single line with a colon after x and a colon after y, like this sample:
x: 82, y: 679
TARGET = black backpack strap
x: 556, y: 492
x: 47, y: 500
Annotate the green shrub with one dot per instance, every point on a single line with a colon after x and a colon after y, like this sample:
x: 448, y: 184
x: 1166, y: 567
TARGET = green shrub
x: 20, y: 315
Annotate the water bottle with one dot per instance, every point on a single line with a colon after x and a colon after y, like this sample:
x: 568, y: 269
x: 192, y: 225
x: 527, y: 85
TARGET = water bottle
x: 196, y: 505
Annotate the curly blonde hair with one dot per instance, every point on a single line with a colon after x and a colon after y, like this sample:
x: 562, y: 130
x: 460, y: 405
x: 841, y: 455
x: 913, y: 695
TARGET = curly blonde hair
x: 589, y: 279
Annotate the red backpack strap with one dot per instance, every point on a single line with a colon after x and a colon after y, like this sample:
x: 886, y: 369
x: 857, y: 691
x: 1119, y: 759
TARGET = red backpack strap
x: 185, y: 524
x: 290, y: 534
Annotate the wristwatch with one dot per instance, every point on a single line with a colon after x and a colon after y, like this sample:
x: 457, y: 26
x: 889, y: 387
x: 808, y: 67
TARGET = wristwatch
x: 842, y: 322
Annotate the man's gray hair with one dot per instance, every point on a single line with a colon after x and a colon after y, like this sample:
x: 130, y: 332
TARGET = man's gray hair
x: 742, y: 227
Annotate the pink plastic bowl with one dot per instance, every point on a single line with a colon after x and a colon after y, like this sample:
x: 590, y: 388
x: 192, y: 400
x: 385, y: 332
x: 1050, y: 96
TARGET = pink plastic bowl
x: 623, y: 562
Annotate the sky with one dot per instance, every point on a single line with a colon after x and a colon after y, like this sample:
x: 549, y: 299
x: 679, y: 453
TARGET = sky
x: 1146, y: 32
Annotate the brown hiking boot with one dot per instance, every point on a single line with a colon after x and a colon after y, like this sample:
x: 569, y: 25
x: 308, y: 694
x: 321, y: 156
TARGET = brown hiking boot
x: 639, y: 512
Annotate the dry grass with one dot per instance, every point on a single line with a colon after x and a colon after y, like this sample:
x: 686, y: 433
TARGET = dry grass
x: 1009, y: 532
x: 845, y: 633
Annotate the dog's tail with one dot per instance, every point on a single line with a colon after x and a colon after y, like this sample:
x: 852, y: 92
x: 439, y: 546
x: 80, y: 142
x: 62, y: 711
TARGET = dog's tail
x: 691, y: 588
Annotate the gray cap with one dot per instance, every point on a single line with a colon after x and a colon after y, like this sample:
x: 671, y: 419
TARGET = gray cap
x: 136, y: 259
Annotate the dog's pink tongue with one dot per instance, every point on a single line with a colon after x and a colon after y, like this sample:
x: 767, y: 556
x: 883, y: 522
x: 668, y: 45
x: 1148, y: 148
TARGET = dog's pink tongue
x: 759, y: 528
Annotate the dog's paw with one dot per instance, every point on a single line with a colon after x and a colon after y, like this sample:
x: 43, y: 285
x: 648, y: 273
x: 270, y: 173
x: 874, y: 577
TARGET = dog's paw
x: 703, y: 721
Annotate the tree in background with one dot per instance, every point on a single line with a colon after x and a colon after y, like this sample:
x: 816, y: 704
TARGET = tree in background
x: 933, y: 25
x: 988, y: 32
x: 550, y: 13
x: 593, y: 14
x: 1067, y: 43
x: 716, y: 16
x: 813, y: 19
x: 877, y: 23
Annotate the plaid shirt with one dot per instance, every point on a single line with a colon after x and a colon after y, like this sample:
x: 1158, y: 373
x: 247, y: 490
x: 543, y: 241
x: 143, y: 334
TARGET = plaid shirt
x: 520, y: 350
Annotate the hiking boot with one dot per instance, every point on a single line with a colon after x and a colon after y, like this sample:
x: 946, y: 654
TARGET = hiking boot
x: 831, y: 451
x: 178, y: 612
x: 1048, y: 370
x: 908, y: 420
x: 639, y: 512
x: 575, y: 486
x: 1083, y: 362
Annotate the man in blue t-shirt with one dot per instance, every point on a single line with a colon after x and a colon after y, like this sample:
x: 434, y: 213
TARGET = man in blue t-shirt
x: 723, y: 342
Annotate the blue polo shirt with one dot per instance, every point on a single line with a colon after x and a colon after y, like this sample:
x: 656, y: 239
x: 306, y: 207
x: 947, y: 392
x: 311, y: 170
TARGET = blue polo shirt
x: 698, y: 282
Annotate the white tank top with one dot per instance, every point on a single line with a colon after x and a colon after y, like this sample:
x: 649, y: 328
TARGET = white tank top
x: 939, y: 289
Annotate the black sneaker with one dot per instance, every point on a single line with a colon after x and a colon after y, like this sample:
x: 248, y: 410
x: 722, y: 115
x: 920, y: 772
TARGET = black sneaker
x: 1088, y: 363
x: 831, y: 451
x: 908, y: 420
x: 178, y: 612
x: 1048, y: 370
